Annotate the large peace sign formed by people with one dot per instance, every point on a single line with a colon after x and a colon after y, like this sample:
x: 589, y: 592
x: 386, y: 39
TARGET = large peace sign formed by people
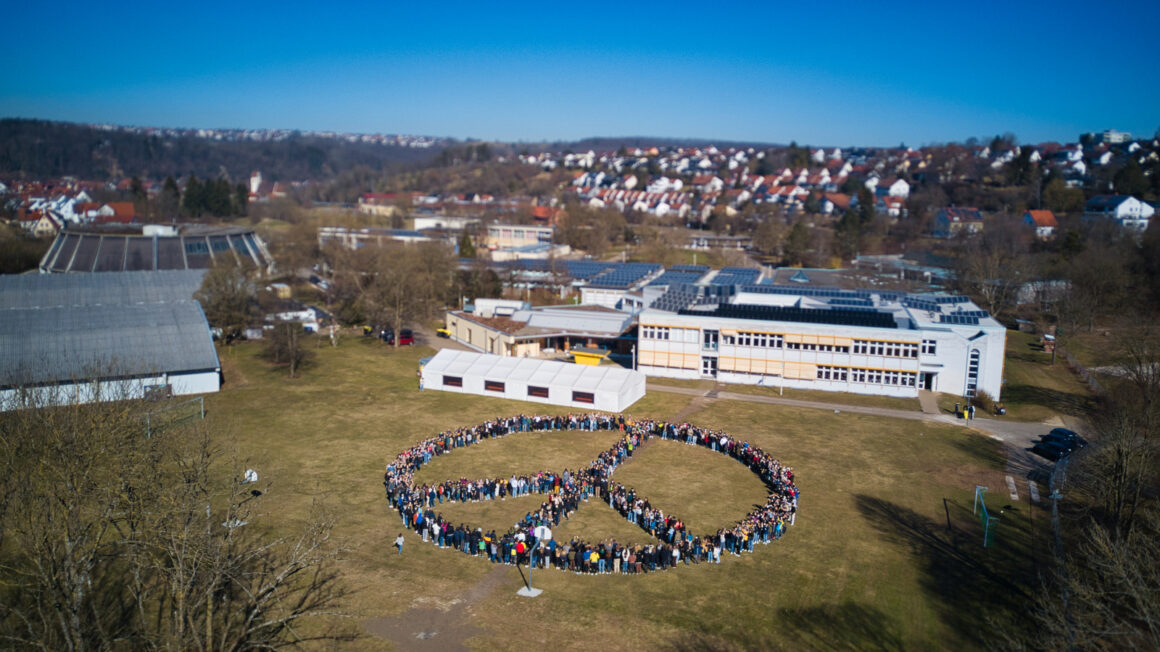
x: 530, y: 540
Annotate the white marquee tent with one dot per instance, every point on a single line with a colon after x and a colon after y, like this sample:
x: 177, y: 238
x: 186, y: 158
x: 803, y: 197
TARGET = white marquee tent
x: 607, y: 388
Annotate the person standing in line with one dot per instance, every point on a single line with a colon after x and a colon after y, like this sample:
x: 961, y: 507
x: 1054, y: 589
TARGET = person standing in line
x: 399, y: 542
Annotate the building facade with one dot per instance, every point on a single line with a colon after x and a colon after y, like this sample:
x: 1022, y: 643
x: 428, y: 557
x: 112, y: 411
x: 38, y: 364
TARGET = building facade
x: 853, y: 341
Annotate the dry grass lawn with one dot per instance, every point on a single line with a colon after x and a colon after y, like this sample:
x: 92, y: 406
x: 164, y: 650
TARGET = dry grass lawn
x: 871, y: 562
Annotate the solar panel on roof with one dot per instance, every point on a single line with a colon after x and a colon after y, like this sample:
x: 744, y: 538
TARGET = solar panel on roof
x: 834, y: 316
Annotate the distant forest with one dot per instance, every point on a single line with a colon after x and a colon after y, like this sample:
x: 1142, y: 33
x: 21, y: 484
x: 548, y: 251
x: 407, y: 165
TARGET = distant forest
x: 38, y: 149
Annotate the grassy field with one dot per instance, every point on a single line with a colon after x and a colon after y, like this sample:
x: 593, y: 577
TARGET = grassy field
x: 885, y: 553
x: 1034, y: 389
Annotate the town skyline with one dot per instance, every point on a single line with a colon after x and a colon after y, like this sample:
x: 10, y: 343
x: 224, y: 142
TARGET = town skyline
x: 852, y: 76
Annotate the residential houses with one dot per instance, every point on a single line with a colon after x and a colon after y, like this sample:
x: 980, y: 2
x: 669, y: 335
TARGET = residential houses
x: 1129, y: 213
x: 1042, y: 222
x: 953, y: 220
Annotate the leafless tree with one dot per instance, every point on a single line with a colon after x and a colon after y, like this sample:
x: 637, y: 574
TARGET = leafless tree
x: 113, y: 539
x: 408, y: 283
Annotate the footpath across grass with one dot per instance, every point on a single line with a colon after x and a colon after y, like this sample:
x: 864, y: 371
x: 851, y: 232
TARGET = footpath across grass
x: 885, y: 553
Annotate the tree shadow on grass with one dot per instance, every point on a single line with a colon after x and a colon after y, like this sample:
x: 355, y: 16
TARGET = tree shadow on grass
x: 846, y: 626
x: 985, y: 451
x: 1065, y: 402
x: 968, y: 584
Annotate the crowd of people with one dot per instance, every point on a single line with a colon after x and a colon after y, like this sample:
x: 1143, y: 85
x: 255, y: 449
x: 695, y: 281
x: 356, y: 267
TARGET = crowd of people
x: 530, y: 540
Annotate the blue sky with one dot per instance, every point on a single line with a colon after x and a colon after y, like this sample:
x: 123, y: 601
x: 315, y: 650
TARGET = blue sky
x: 845, y: 74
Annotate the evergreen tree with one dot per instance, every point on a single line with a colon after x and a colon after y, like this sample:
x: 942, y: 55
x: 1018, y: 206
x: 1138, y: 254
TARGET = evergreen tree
x: 193, y: 202
x: 170, y: 201
x: 241, y: 200
x: 218, y: 198
x: 797, y: 244
x: 1130, y: 180
x: 466, y: 246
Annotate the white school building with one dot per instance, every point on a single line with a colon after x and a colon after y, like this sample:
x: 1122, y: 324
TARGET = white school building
x: 861, y: 341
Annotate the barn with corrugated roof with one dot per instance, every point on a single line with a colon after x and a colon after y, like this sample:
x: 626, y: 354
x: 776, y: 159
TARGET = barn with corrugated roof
x: 68, y: 338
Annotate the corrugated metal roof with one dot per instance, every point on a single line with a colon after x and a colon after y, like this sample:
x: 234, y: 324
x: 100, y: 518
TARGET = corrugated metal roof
x: 55, y: 344
x: 102, y: 288
x: 61, y: 327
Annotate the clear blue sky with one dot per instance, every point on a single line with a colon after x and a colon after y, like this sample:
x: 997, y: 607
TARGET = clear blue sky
x: 843, y: 74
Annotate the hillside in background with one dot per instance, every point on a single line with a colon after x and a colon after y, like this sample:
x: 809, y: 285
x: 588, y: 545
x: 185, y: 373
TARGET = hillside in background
x: 38, y: 149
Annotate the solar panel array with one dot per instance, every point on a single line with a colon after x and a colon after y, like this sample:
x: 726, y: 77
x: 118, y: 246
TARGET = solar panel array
x: 981, y: 314
x: 672, y: 277
x: 676, y: 299
x: 736, y: 276
x: 818, y: 292
x: 700, y: 269
x: 944, y: 299
x: 834, y: 316
x: 623, y: 275
x: 959, y: 320
x: 921, y: 304
x: 844, y: 301
x: 583, y: 270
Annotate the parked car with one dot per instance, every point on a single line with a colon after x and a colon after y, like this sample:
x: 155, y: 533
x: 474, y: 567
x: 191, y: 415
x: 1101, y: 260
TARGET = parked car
x: 1065, y: 438
x: 443, y: 332
x: 406, y: 337
x: 1049, y: 450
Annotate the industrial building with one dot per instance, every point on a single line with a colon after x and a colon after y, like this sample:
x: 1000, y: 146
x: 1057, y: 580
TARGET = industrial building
x: 67, y: 338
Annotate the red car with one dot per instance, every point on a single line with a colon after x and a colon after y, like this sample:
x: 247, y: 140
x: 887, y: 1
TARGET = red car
x: 406, y: 337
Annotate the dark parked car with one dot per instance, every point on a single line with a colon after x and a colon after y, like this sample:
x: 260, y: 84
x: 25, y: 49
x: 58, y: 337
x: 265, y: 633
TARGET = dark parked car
x: 406, y: 336
x: 1049, y: 450
x: 1065, y: 438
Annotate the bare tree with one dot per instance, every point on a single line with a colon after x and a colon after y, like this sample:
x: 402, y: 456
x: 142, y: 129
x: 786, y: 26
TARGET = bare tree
x: 113, y: 539
x: 227, y: 297
x: 284, y: 346
x: 409, y: 283
x: 994, y: 266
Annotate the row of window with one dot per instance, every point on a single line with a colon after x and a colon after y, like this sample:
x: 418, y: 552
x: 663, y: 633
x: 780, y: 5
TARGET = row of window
x: 873, y: 376
x: 775, y: 341
x: 654, y: 332
x: 764, y: 340
x: 533, y: 391
x: 887, y: 349
x: 665, y: 333
x: 809, y: 346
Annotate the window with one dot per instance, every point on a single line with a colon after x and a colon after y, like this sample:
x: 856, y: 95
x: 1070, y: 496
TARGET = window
x: 928, y: 347
x: 538, y: 392
x: 583, y: 397
x: 492, y: 386
x: 452, y: 381
x: 196, y: 247
x: 709, y: 340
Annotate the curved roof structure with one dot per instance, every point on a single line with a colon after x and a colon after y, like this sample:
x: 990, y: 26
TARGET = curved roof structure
x: 153, y: 247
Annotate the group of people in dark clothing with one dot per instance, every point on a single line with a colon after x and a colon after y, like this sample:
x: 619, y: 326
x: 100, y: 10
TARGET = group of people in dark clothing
x: 529, y: 540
